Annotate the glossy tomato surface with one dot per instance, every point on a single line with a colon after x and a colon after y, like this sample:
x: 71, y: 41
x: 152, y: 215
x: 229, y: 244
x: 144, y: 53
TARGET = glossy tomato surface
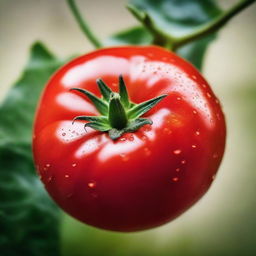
x: 143, y: 179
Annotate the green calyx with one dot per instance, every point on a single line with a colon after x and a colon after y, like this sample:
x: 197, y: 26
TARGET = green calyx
x: 118, y: 114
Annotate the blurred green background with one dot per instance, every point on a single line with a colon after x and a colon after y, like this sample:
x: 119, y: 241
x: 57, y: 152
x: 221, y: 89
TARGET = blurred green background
x: 223, y: 222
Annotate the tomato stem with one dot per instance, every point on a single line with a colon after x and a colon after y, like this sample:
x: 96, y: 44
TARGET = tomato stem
x: 118, y: 114
x: 171, y: 42
x: 83, y: 25
x: 213, y: 25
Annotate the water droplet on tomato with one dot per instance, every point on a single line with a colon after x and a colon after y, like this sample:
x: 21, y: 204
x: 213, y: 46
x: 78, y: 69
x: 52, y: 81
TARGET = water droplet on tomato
x: 183, y: 161
x: 131, y: 138
x: 194, y: 77
x: 213, y: 177
x: 50, y: 178
x: 146, y: 128
x: 208, y: 95
x: 197, y: 133
x: 194, y: 112
x: 175, y: 179
x: 193, y: 146
x: 147, y: 151
x: 176, y: 151
x: 74, y: 165
x: 144, y: 138
x: 124, y: 157
x: 215, y: 155
x: 177, y: 169
x: 123, y: 139
x: 66, y: 176
x: 92, y: 184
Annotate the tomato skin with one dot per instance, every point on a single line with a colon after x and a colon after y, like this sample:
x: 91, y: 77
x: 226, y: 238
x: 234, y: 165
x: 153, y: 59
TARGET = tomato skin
x: 146, y: 178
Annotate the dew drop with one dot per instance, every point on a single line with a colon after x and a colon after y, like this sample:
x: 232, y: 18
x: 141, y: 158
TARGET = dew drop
x: 197, y: 133
x: 167, y: 130
x: 123, y: 139
x: 49, y: 179
x: 131, y: 138
x: 177, y: 169
x: 204, y: 85
x: 178, y: 98
x: 215, y: 155
x: 195, y: 112
x: 124, y: 157
x: 91, y: 184
x: 146, y: 128
x: 193, y: 146
x: 176, y: 151
x: 147, y: 151
x: 183, y: 161
x: 47, y: 165
x: 175, y: 179
x: 144, y: 138
x: 194, y: 77
x: 74, y: 165
x: 208, y: 95
x: 66, y: 176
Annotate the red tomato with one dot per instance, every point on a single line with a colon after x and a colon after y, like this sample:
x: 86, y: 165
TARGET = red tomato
x: 144, y: 178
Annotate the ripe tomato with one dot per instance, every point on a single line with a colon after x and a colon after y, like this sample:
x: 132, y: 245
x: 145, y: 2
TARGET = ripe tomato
x: 143, y: 178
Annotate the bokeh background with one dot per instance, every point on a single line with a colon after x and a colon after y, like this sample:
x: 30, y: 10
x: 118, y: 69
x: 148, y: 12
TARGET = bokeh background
x: 223, y: 222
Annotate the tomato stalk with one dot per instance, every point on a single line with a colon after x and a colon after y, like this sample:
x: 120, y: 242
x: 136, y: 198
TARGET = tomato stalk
x: 118, y: 114
x: 83, y: 25
x: 167, y: 40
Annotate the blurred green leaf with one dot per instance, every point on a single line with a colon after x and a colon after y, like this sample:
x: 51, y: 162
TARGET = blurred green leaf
x: 176, y: 18
x: 28, y: 217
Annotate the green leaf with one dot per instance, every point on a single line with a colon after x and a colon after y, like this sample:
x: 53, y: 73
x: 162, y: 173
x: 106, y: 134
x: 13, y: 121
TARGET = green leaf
x: 98, y: 126
x: 99, y: 104
x: 141, y: 108
x: 175, y: 18
x: 104, y: 89
x: 101, y: 119
x: 123, y: 93
x: 137, y: 123
x: 29, y: 220
x: 178, y: 18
